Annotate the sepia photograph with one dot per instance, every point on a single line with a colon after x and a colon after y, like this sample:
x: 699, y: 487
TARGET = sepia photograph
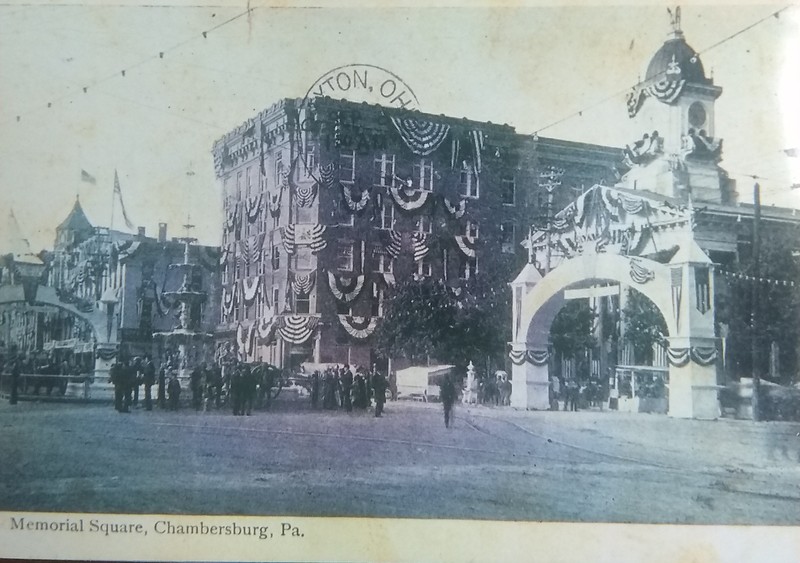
x: 308, y: 281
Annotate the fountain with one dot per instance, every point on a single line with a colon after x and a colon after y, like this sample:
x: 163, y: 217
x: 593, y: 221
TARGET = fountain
x: 186, y: 334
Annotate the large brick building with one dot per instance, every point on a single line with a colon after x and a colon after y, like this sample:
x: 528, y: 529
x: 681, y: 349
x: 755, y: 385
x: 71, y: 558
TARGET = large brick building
x: 328, y: 203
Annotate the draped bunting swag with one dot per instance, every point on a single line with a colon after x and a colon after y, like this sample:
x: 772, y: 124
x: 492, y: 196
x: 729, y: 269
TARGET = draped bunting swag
x: 274, y: 203
x: 287, y: 235
x: 304, y: 195
x: 458, y: 210
x: 303, y: 284
x: 395, y: 244
x: 419, y: 243
x: 422, y: 137
x: 253, y: 207
x: 265, y: 330
x: 408, y: 201
x: 296, y: 329
x: 535, y: 357
x: 250, y: 290
x: 358, y: 327
x: 355, y: 205
x: 345, y: 289
x: 676, y: 283
x: 703, y: 356
x: 466, y: 245
x: 317, y: 242
x: 326, y: 175
x: 640, y: 274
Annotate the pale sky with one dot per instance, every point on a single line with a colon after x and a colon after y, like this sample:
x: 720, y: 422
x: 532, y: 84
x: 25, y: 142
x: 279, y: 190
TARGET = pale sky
x: 527, y: 67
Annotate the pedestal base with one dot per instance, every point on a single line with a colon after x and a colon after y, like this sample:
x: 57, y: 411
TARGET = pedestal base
x: 693, y: 392
x: 530, y: 387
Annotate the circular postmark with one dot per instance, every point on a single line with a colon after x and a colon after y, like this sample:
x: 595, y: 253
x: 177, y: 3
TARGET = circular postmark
x: 359, y: 83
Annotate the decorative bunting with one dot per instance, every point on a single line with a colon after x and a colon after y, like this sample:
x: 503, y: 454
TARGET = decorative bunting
x: 639, y: 273
x: 358, y: 327
x: 458, y: 210
x: 345, y: 289
x: 703, y: 356
x: 250, y: 288
x: 745, y: 277
x: 274, y: 204
x: 265, y: 330
x: 422, y: 137
x: 477, y: 138
x: 517, y: 357
x: 395, y: 244
x: 316, y: 241
x: 296, y: 329
x: 408, y: 200
x: 326, y: 175
x: 466, y: 245
x: 253, y: 207
x: 303, y: 283
x: 229, y: 299
x: 287, y: 236
x: 676, y: 283
x: 535, y: 357
x: 353, y: 205
x: 678, y: 357
x: 231, y: 219
x: 304, y: 195
x: 419, y: 244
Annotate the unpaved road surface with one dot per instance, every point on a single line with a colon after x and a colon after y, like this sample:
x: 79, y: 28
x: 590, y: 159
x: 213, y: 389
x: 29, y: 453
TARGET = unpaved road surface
x: 495, y: 463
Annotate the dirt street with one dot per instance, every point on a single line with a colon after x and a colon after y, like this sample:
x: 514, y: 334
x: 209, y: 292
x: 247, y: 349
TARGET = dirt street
x: 496, y: 463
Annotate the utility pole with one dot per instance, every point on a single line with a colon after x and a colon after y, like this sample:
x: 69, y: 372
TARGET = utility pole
x: 755, y: 297
x: 549, y: 179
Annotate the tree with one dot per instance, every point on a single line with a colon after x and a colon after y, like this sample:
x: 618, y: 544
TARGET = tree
x: 571, y: 333
x: 644, y: 326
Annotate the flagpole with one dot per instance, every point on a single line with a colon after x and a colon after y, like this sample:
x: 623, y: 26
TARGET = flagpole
x: 113, y: 195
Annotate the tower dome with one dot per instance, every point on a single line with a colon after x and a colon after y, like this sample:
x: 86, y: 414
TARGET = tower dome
x: 675, y: 59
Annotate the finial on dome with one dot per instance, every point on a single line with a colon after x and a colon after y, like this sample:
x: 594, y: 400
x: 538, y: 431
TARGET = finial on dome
x: 675, y: 20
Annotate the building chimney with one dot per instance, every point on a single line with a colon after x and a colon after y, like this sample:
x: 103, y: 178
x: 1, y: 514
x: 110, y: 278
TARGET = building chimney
x: 162, y: 232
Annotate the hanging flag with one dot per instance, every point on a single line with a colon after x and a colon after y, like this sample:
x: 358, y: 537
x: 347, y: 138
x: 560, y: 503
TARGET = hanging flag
x: 118, y: 195
x: 88, y: 178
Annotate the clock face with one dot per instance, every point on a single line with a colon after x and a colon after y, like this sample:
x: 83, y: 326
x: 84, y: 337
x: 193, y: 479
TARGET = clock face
x: 697, y: 114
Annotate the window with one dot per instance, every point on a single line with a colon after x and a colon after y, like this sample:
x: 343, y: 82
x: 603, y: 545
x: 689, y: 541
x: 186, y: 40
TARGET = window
x: 468, y: 183
x: 247, y: 269
x: 424, y: 268
x: 344, y: 256
x: 225, y: 273
x: 237, y: 269
x: 276, y: 257
x: 378, y: 295
x: 469, y: 267
x: 276, y: 221
x: 250, y: 177
x: 471, y: 229
x: 302, y: 304
x: 311, y: 157
x: 262, y: 263
x: 343, y: 308
x: 248, y: 312
x: 387, y: 215
x: 344, y: 217
x: 381, y: 260
x: 302, y: 258
x: 275, y: 295
x: 239, y: 186
x: 278, y: 169
x: 347, y: 166
x: 424, y: 224
x: 423, y: 173
x: 507, y: 232
x: 508, y: 190
x: 384, y: 169
x: 260, y: 305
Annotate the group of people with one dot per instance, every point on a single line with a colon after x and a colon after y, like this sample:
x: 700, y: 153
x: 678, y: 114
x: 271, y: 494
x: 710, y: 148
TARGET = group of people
x: 339, y: 387
x: 128, y: 376
x: 574, y: 393
x: 46, y: 373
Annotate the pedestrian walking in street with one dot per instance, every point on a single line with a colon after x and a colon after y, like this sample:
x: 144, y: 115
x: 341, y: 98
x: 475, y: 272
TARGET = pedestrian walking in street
x: 174, y: 390
x: 15, y: 371
x: 196, y: 385
x: 379, y: 385
x: 447, y: 393
x: 314, y: 389
x: 148, y: 378
x: 162, y: 386
x: 347, y: 389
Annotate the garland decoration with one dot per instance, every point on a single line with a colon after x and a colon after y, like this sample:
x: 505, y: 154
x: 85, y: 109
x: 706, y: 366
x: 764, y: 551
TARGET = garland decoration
x: 355, y: 205
x: 458, y: 210
x: 678, y: 357
x: 422, y: 137
x: 535, y: 357
x: 229, y: 299
x: 358, y: 327
x: 265, y: 329
x: 345, y: 289
x: 304, y: 195
x: 313, y: 237
x: 703, y: 356
x: 231, y: 219
x: 517, y: 357
x: 420, y: 246
x: 303, y: 283
x: 296, y: 329
x: 466, y: 245
x: 274, y: 203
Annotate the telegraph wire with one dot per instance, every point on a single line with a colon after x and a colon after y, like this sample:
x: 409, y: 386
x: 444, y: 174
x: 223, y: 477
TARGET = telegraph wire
x: 87, y: 86
x: 579, y: 113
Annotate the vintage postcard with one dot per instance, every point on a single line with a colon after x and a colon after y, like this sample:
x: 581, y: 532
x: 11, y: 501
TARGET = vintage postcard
x: 399, y: 282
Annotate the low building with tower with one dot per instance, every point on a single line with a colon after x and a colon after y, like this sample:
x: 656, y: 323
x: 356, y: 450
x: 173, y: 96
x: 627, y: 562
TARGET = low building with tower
x: 329, y: 203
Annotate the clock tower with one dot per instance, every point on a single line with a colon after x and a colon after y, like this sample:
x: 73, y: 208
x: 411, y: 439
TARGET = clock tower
x: 678, y: 154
